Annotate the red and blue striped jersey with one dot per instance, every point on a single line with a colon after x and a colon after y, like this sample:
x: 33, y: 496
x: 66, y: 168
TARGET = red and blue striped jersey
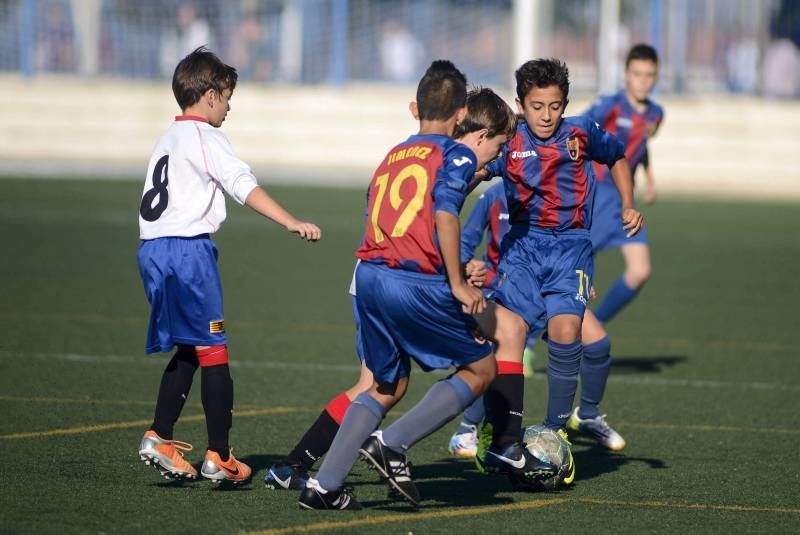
x: 417, y: 178
x: 616, y: 114
x: 490, y: 213
x: 550, y: 182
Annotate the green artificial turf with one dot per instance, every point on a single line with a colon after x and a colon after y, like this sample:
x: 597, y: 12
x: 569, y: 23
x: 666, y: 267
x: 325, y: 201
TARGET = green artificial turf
x: 705, y: 385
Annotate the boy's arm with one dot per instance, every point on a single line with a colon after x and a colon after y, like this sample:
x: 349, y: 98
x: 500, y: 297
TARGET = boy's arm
x: 448, y: 229
x: 632, y: 220
x: 475, y: 228
x: 261, y: 202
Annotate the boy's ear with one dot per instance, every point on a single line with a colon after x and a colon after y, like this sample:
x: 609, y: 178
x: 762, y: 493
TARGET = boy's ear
x: 566, y: 102
x: 520, y: 107
x: 483, y: 134
x: 461, y: 114
x: 210, y: 96
x: 412, y: 107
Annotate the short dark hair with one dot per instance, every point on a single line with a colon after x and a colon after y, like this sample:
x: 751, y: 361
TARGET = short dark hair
x: 441, y: 91
x: 542, y: 73
x: 198, y: 72
x: 485, y: 109
x: 641, y: 51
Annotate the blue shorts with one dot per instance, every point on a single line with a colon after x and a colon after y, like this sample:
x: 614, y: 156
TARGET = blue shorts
x: 607, y: 231
x: 182, y: 284
x: 543, y: 274
x: 533, y: 333
x: 407, y: 315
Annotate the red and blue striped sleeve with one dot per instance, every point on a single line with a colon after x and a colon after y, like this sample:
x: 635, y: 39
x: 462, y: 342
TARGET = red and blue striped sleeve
x: 602, y: 146
x: 453, y: 178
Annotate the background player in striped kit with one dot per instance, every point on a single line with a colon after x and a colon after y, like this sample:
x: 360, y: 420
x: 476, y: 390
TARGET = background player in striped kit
x: 634, y: 118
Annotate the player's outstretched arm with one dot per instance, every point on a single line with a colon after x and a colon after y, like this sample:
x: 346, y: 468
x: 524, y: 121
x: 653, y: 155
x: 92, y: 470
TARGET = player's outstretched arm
x: 261, y: 202
x: 632, y: 220
x: 448, y: 228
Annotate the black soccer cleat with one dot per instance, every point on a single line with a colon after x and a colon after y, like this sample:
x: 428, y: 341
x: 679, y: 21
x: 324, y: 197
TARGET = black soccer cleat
x: 313, y: 497
x: 391, y: 465
x: 514, y: 460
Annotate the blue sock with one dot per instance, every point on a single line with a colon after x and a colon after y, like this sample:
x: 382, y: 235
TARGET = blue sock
x: 361, y: 419
x: 595, y: 365
x: 618, y: 295
x: 473, y: 415
x: 563, y: 365
x: 443, y: 402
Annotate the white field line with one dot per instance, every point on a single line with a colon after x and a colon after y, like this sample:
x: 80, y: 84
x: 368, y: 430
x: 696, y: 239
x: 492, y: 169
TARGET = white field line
x: 353, y: 368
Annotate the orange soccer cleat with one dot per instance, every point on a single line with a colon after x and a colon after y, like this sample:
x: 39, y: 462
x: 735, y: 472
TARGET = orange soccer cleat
x: 166, y: 456
x: 217, y: 470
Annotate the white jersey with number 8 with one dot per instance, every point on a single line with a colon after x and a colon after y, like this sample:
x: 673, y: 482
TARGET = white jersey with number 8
x: 192, y: 164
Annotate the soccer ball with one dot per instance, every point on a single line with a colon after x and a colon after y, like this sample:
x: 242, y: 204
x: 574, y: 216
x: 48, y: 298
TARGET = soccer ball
x: 547, y: 446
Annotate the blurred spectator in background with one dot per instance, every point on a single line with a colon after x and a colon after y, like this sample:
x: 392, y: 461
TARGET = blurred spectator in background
x: 401, y: 53
x: 55, y: 46
x: 781, y: 69
x: 741, y: 64
x: 250, y: 52
x: 190, y: 32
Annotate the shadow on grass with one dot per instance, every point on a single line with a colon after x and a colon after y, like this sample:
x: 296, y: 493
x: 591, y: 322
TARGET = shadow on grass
x: 630, y: 365
x: 450, y: 483
x: 595, y: 460
x: 654, y: 364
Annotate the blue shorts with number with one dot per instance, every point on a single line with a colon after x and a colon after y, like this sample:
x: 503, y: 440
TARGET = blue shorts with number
x: 607, y: 231
x: 543, y: 274
x: 407, y: 315
x: 182, y: 284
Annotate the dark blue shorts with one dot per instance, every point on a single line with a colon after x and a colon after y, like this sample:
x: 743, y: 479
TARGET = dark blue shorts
x: 182, y: 284
x: 406, y: 315
x: 543, y: 274
x: 606, y: 231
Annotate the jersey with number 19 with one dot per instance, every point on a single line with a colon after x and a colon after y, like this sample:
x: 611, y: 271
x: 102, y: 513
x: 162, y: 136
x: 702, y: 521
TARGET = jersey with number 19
x: 403, y: 299
x: 182, y: 203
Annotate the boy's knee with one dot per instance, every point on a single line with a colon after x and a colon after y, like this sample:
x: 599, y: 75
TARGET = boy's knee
x: 564, y: 329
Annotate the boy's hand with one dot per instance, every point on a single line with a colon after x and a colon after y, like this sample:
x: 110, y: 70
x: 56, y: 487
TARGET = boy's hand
x: 592, y: 293
x: 650, y: 193
x: 476, y: 271
x: 307, y: 231
x: 471, y: 298
x: 632, y: 221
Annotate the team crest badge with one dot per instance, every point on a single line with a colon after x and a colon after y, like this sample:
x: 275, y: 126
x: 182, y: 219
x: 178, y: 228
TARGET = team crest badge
x: 573, y: 147
x: 216, y: 327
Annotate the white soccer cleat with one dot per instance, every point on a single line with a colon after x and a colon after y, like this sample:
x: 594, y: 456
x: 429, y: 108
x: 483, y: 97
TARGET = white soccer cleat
x: 598, y: 429
x: 464, y: 445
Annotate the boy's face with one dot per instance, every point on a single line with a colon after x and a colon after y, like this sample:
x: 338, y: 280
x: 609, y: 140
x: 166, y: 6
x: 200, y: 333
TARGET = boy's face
x: 489, y: 148
x: 219, y: 106
x: 543, y: 108
x: 640, y: 77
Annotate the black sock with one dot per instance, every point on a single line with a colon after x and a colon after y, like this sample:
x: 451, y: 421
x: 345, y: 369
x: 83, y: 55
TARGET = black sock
x: 504, y: 403
x: 175, y: 384
x: 217, y: 394
x: 315, y: 443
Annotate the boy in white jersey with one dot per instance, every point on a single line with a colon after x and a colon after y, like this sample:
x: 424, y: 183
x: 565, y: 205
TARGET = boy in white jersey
x: 183, y: 202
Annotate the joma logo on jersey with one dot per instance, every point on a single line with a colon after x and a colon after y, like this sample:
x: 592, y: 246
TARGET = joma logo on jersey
x: 519, y: 154
x: 581, y: 298
x: 216, y: 326
x: 573, y: 147
x: 624, y: 122
x: 415, y: 151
